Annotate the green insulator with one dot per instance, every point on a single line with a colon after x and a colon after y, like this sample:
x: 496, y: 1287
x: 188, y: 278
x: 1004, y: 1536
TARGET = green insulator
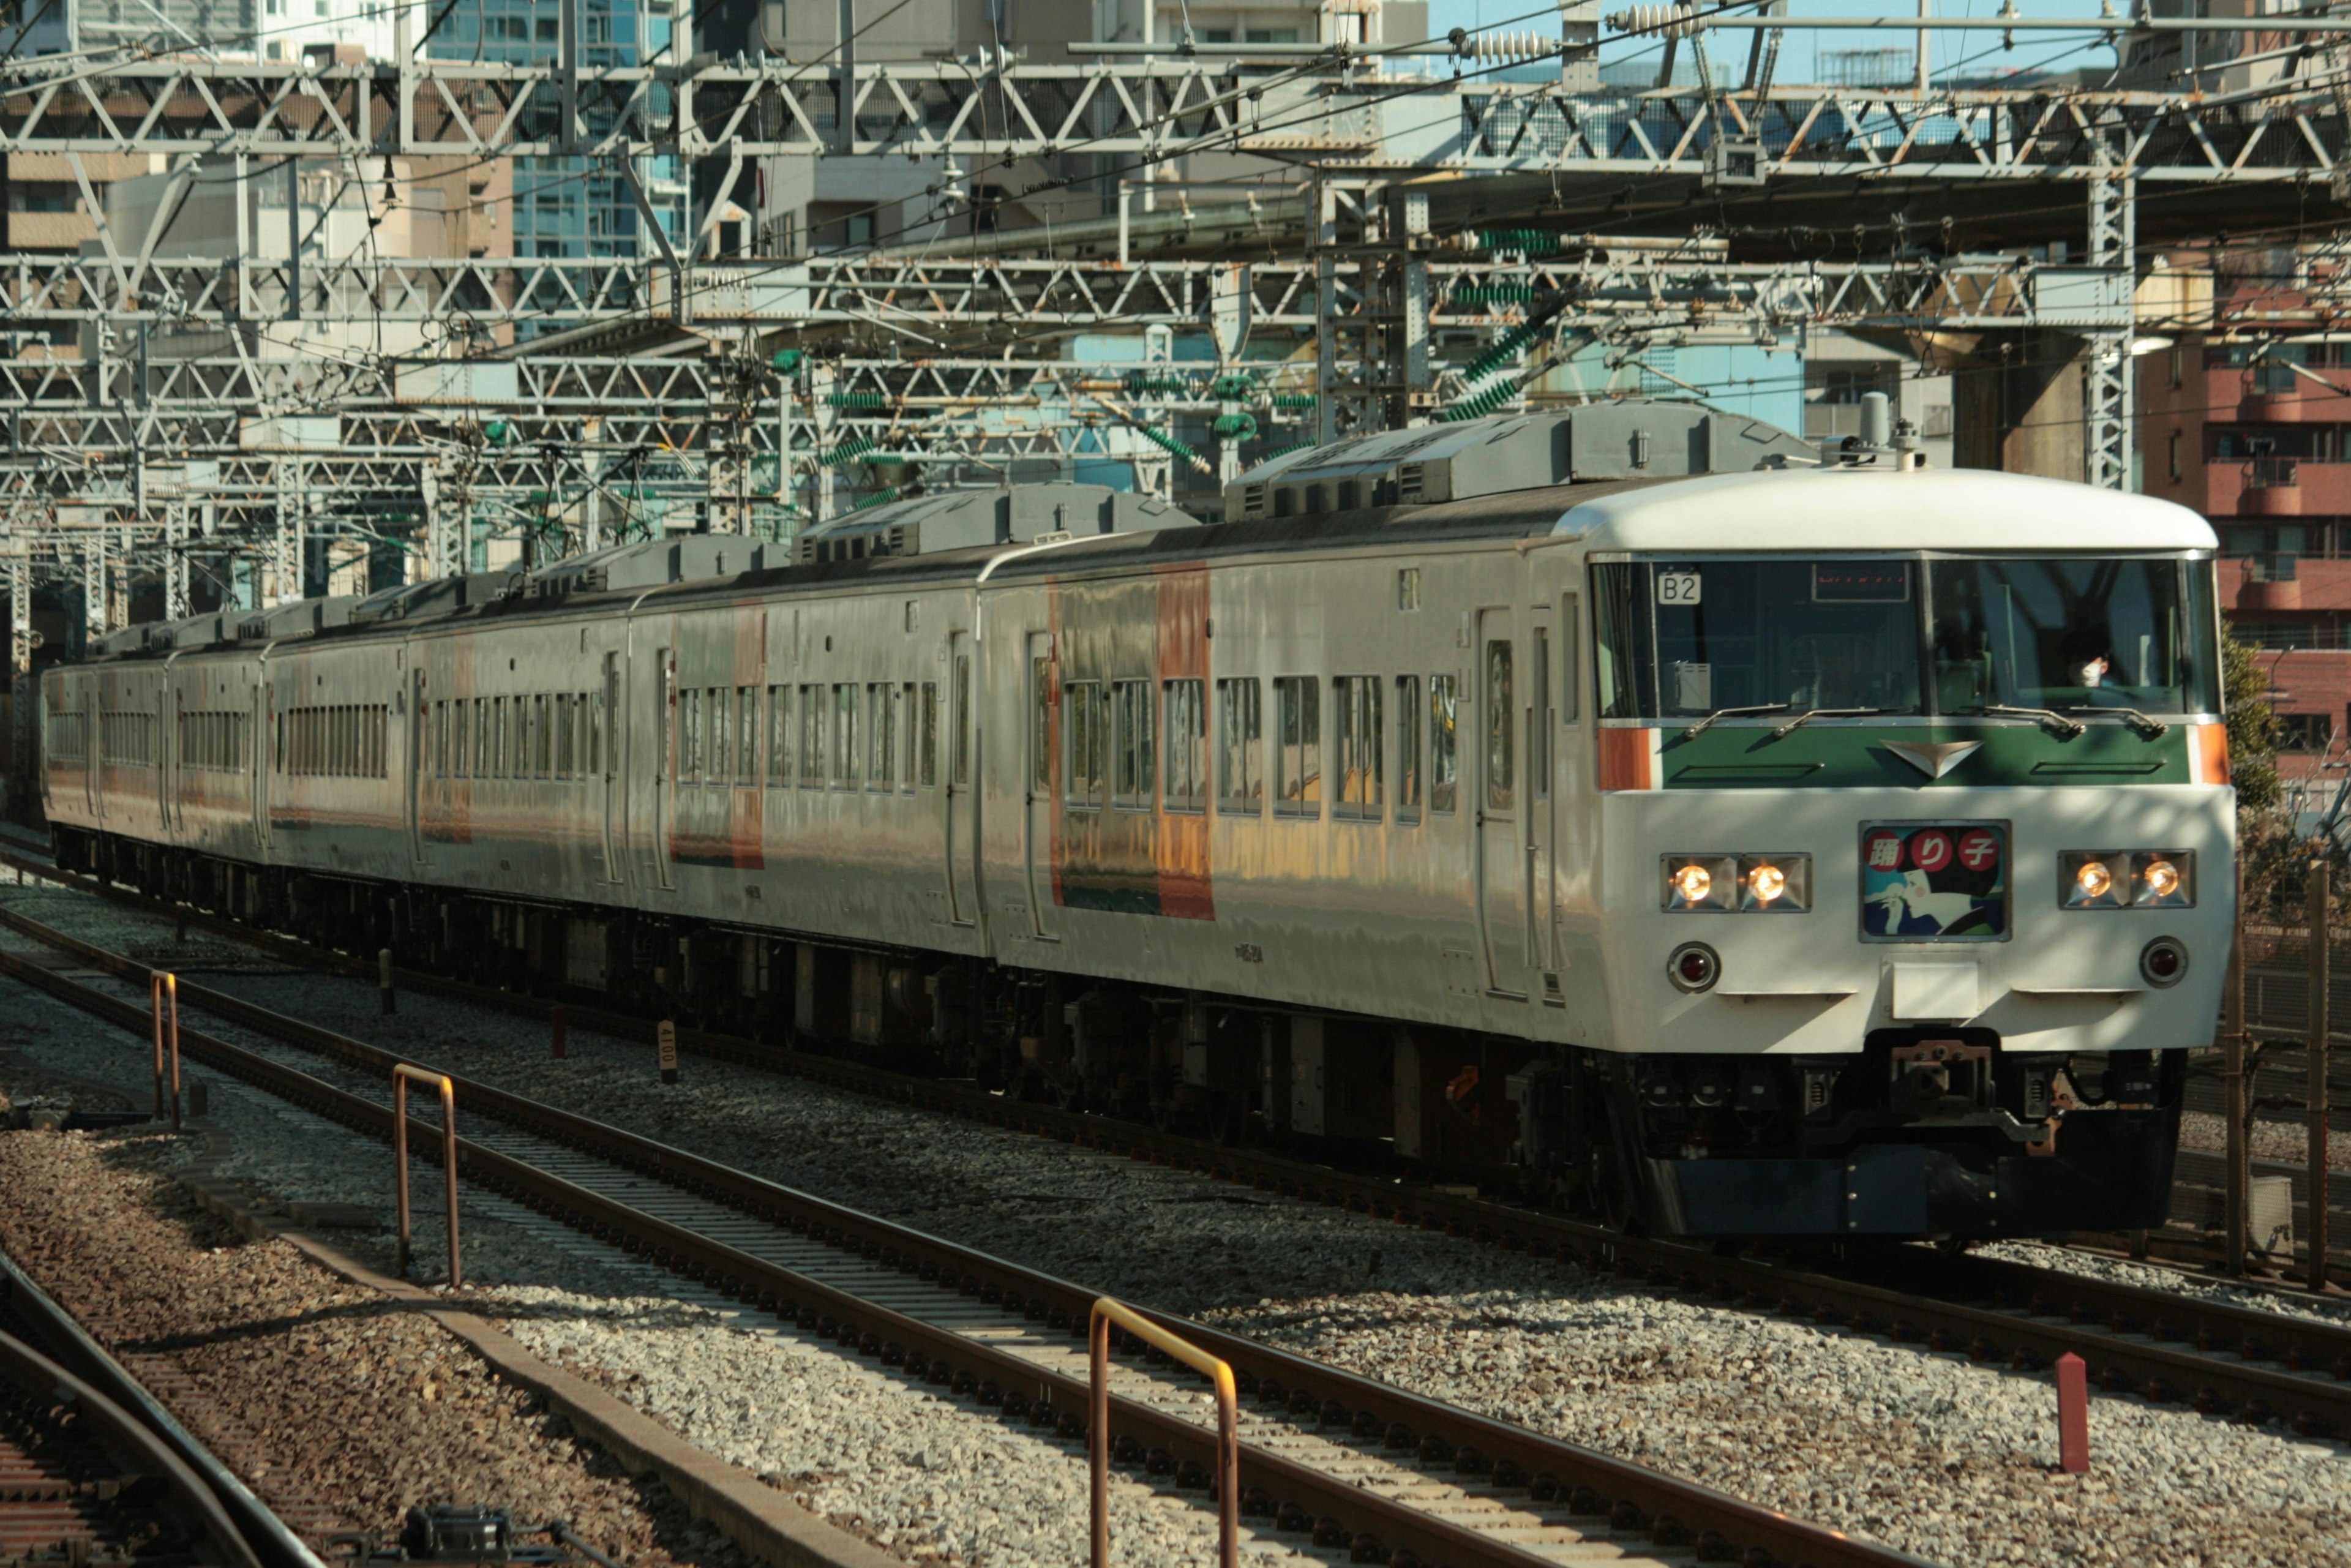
x: 1534, y: 242
x: 1233, y: 387
x: 1294, y: 401
x: 850, y: 451
x: 859, y: 400
x: 788, y: 361
x: 1494, y: 294
x: 1235, y: 427
x: 879, y: 498
x: 1168, y: 443
x: 499, y: 433
x: 1141, y: 383
x: 1498, y: 354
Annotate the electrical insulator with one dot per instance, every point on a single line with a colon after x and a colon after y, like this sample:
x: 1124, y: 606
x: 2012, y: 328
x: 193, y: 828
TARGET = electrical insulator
x: 1509, y: 46
x: 1661, y: 21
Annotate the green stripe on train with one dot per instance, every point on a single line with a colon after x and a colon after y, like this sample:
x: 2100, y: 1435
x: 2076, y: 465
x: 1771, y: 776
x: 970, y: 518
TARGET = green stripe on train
x: 1824, y: 756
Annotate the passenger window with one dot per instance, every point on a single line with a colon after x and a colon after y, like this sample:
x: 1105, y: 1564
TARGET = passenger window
x: 812, y: 737
x: 910, y: 726
x: 846, y: 757
x: 718, y: 763
x: 1185, y: 710
x: 1298, y: 747
x: 563, y: 736
x: 542, y: 739
x: 881, y: 719
x: 1539, y: 718
x: 747, y: 735
x: 1240, y: 780
x: 962, y: 774
x: 1444, y: 745
x: 1569, y: 671
x: 779, y: 737
x: 927, y: 737
x: 1501, y: 748
x: 1131, y: 753
x: 1361, y: 764
x: 1081, y: 744
x: 1407, y: 709
x: 503, y: 764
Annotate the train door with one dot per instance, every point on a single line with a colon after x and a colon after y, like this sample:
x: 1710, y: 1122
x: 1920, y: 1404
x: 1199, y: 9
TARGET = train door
x: 1501, y: 805
x: 1042, y: 696
x: 962, y: 791
x: 420, y: 731
x: 608, y: 716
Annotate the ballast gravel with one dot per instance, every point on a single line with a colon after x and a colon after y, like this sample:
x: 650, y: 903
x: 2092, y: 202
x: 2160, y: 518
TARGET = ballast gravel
x: 1948, y: 1459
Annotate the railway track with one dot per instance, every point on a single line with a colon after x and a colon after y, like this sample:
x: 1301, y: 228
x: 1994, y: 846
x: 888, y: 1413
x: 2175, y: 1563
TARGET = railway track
x: 94, y: 1471
x: 2224, y: 1358
x: 1360, y: 1467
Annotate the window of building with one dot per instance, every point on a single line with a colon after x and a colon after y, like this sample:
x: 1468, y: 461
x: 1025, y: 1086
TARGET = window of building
x: 1360, y: 741
x: 1082, y: 745
x: 2172, y: 451
x: 1240, y: 778
x: 1185, y: 744
x: 2308, y: 442
x: 1132, y: 775
x: 1408, y: 587
x: 1298, y: 747
x: 1444, y: 745
x: 2306, y: 732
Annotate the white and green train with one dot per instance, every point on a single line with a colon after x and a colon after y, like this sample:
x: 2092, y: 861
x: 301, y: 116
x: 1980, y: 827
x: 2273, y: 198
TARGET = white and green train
x: 1627, y: 803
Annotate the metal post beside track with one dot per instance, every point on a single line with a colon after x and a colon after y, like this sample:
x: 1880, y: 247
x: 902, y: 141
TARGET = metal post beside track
x: 2237, y: 1184
x: 2316, y: 1092
x: 164, y: 1008
x: 1107, y: 1312
x: 401, y: 1073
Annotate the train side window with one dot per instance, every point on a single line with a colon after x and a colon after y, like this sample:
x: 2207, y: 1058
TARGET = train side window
x: 747, y: 735
x: 846, y: 757
x: 1444, y: 745
x: 1362, y: 763
x: 1539, y: 719
x: 1298, y: 747
x: 1184, y: 713
x: 1082, y: 745
x: 961, y: 775
x: 927, y: 737
x: 493, y: 760
x: 441, y: 737
x: 1241, y: 748
x: 1407, y: 710
x: 910, y: 714
x: 1569, y: 671
x: 882, y: 761
x: 811, y: 737
x: 460, y: 729
x: 779, y: 737
x: 1131, y: 754
x: 1500, y: 720
x: 564, y: 739
x: 591, y: 707
x: 721, y: 760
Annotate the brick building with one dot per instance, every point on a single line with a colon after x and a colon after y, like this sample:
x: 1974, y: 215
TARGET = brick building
x: 2249, y: 422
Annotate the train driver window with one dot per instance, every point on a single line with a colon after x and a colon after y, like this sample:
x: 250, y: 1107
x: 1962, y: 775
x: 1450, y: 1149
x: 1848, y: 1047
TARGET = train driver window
x: 1185, y: 745
x: 1240, y: 780
x: 1298, y: 747
x: 1444, y: 745
x: 1407, y: 776
x: 1356, y: 724
x: 1131, y: 751
x: 1082, y: 745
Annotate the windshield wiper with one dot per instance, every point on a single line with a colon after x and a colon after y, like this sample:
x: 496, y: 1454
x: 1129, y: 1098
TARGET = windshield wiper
x: 1702, y: 726
x: 2147, y: 724
x: 2068, y: 727
x: 1802, y: 719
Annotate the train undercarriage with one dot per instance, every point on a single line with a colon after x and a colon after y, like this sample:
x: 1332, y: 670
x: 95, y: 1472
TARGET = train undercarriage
x: 1920, y: 1132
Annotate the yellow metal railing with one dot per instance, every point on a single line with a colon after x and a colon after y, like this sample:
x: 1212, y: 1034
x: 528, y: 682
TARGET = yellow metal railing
x: 400, y: 1074
x: 164, y: 1008
x: 1229, y: 1449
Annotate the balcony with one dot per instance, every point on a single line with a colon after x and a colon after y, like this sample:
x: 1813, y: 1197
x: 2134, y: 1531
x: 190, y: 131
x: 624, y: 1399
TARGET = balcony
x: 2272, y: 489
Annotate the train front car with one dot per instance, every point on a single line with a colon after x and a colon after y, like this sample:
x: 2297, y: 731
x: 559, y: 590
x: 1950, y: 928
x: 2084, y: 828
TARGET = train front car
x: 1916, y: 848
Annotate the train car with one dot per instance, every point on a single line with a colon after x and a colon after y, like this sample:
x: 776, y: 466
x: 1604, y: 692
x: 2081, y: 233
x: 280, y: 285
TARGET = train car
x: 1630, y: 805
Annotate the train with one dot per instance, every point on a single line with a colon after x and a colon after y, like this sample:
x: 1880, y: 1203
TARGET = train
x: 1626, y: 806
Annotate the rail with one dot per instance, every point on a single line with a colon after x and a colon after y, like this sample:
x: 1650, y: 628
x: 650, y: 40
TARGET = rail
x: 163, y: 988
x: 401, y: 1074
x: 1106, y: 1312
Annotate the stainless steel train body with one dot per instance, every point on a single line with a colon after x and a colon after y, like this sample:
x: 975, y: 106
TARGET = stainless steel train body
x: 1717, y: 851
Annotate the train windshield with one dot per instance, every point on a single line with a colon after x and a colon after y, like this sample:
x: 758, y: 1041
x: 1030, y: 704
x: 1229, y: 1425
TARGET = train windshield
x: 1878, y: 636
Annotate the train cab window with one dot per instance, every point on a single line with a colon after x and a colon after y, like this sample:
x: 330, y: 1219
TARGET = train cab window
x: 1356, y: 730
x: 846, y: 757
x: 1298, y: 747
x: 960, y: 774
x: 1241, y: 748
x: 746, y: 734
x: 882, y: 736
x: 1444, y: 745
x: 927, y: 737
x: 1082, y: 745
x: 1184, y: 708
x: 779, y: 737
x: 1132, y: 774
x: 1407, y: 773
x: 1570, y: 674
x: 812, y: 724
x: 1501, y: 738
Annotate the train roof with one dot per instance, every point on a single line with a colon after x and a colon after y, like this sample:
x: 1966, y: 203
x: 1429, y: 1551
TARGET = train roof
x: 1869, y: 507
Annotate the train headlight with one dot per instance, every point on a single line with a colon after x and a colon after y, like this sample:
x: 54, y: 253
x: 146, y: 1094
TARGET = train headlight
x: 2126, y: 878
x: 1701, y: 882
x: 1776, y: 885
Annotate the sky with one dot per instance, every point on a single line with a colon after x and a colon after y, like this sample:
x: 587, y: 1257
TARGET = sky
x: 1800, y: 54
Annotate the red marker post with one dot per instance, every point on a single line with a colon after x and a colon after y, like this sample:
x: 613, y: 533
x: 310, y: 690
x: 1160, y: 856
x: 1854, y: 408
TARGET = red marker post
x: 2073, y: 1413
